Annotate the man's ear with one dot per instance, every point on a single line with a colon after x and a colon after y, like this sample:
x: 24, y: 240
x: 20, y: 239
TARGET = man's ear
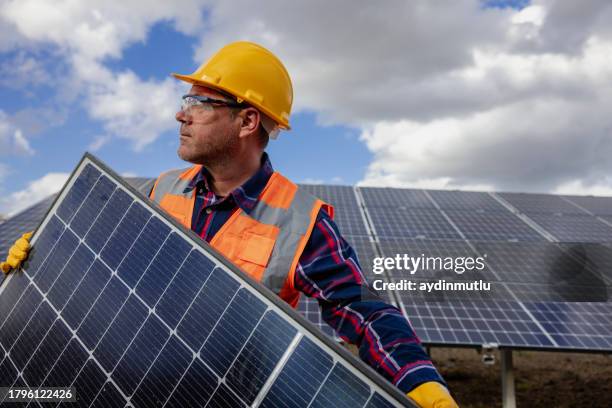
x: 250, y: 121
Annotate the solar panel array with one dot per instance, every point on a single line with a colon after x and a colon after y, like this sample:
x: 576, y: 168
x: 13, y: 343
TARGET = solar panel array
x: 568, y: 219
x: 533, y: 278
x: 119, y: 302
x: 528, y: 273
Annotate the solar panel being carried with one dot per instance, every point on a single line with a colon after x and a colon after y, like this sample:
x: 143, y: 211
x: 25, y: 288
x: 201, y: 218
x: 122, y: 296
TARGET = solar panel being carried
x: 120, y: 302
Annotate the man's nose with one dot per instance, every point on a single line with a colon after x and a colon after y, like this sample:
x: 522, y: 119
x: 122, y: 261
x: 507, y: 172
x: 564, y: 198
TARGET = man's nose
x: 180, y: 116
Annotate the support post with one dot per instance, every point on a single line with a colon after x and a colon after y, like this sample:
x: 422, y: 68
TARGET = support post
x: 508, y: 395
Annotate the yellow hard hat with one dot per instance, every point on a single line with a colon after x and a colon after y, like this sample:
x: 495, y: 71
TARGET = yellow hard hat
x: 251, y: 73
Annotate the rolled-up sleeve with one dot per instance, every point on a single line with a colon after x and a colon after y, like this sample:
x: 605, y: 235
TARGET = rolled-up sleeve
x: 329, y: 271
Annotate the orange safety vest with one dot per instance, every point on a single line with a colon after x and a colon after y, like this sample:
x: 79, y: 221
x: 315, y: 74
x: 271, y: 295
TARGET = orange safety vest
x: 267, y: 243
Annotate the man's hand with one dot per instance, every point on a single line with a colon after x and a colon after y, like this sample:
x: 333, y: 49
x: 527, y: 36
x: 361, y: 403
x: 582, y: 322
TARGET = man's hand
x: 17, y: 254
x: 432, y: 395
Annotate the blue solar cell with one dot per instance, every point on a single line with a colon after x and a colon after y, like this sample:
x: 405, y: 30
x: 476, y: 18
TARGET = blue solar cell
x: 98, y: 197
x: 300, y: 378
x: 596, y: 205
x: 48, y: 238
x: 379, y: 197
x: 77, y: 193
x: 207, y: 308
x: 124, y: 235
x: 8, y: 373
x: 104, y: 225
x: 188, y: 280
x: 110, y: 397
x: 11, y: 294
x: 164, y: 374
x: 67, y: 366
x: 47, y: 353
x: 232, y: 331
x: 465, y: 200
x: 348, y: 213
x: 121, y: 332
x: 143, y: 251
x: 260, y: 355
x: 86, y: 293
x: 341, y: 389
x: 162, y: 269
x: 88, y: 383
x: 579, y: 325
x: 50, y: 269
x: 140, y: 355
x: 411, y: 223
x: 195, y: 387
x: 102, y: 313
x: 540, y: 203
x: 224, y: 398
x: 70, y: 276
x: 15, y: 318
x: 574, y: 228
x: 33, y: 333
x: 492, y: 226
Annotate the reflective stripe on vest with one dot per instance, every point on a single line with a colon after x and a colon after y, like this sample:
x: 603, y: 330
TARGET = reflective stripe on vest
x: 267, y: 243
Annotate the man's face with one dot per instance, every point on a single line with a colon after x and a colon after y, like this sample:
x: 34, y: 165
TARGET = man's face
x: 208, y: 134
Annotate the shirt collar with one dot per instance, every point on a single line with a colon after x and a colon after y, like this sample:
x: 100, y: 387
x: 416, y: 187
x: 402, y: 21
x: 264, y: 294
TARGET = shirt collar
x: 246, y: 195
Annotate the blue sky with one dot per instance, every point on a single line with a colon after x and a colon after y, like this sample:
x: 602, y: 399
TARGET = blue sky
x: 501, y: 95
x: 341, y: 158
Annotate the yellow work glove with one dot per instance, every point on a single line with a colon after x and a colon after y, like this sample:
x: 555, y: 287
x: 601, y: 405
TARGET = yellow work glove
x: 17, y: 254
x: 432, y: 395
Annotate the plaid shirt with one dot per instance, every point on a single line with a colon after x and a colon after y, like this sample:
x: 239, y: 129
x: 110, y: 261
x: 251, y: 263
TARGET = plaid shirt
x: 329, y: 271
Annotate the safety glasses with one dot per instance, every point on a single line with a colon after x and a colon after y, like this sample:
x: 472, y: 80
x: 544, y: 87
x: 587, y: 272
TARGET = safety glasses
x: 205, y: 103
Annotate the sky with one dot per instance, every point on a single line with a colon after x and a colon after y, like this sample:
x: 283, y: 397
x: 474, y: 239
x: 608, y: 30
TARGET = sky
x: 477, y: 95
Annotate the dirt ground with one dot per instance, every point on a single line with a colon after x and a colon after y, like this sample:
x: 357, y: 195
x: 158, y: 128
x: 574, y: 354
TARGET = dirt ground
x: 543, y: 379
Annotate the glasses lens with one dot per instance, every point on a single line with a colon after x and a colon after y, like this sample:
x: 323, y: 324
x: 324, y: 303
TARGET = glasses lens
x: 189, y: 103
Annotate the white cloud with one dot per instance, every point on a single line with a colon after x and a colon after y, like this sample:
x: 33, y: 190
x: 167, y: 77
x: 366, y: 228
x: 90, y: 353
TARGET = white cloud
x: 22, y: 71
x: 88, y: 34
x: 12, y: 140
x: 136, y: 110
x: 449, y: 95
x: 35, y: 191
x: 581, y: 187
x: 310, y: 180
x: 96, y: 29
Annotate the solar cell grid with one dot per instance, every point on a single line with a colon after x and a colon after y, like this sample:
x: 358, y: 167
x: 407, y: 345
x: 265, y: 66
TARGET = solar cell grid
x: 596, y: 205
x: 465, y: 200
x: 395, y: 198
x: 340, y: 196
x: 349, y: 221
x: 411, y: 223
x: 582, y: 325
x: 468, y: 322
x: 111, y: 315
x: 574, y: 228
x: 492, y: 226
x: 540, y: 203
x: 347, y: 211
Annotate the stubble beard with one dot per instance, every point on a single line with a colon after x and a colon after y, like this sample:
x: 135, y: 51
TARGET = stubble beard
x: 214, y: 154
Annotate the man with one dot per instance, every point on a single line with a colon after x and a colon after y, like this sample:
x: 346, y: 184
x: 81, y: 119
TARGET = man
x: 280, y: 235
